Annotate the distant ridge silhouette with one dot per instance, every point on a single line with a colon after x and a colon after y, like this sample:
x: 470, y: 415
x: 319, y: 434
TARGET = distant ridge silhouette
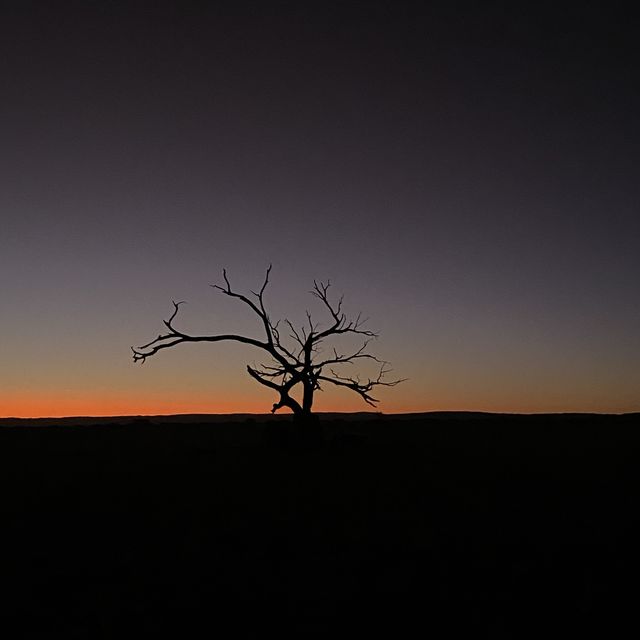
x: 214, y: 418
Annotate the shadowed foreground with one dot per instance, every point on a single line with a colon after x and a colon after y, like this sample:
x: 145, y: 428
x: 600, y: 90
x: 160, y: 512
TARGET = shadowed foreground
x: 504, y: 526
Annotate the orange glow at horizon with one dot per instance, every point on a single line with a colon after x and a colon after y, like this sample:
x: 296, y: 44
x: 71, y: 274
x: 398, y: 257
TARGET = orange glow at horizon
x: 159, y: 392
x: 59, y: 405
x: 48, y: 405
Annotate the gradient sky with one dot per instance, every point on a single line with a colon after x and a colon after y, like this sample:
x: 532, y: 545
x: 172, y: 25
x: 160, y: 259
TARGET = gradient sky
x: 467, y: 178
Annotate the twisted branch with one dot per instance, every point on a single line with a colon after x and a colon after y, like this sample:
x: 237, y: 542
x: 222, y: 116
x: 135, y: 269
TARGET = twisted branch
x: 290, y: 367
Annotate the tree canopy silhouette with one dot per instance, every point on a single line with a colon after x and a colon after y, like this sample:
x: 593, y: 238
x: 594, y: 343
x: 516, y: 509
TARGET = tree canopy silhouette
x: 299, y: 361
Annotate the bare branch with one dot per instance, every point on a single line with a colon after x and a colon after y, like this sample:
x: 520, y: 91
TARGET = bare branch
x: 283, y: 389
x: 294, y: 334
x: 278, y: 343
x: 363, y: 389
x: 260, y: 311
x: 342, y: 358
x: 312, y: 327
x: 296, y: 367
x: 262, y: 379
x: 174, y: 337
x: 340, y: 323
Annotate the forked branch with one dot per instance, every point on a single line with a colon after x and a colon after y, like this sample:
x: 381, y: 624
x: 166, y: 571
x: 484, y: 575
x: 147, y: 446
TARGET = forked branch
x: 297, y: 366
x: 363, y: 389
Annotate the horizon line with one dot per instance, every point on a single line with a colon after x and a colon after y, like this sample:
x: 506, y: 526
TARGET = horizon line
x: 321, y: 413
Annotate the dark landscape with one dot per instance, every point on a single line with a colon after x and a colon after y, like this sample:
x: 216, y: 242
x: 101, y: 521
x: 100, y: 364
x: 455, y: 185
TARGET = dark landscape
x: 422, y: 525
x: 396, y: 205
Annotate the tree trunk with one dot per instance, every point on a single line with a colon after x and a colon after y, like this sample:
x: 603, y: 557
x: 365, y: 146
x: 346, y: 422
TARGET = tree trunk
x: 307, y: 398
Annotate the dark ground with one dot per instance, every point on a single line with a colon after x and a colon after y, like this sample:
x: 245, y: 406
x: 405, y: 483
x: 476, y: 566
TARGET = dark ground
x: 499, y: 526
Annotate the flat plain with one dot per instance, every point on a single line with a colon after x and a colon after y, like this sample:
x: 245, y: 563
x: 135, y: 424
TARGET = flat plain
x: 505, y: 526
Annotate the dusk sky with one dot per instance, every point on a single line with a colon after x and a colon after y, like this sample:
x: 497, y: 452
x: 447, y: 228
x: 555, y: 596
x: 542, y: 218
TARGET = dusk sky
x: 468, y: 179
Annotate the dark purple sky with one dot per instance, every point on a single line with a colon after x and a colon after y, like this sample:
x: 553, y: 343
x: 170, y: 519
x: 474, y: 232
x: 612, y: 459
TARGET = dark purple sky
x: 468, y: 178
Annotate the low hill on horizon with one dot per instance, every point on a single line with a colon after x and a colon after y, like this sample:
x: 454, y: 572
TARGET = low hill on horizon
x: 357, y: 416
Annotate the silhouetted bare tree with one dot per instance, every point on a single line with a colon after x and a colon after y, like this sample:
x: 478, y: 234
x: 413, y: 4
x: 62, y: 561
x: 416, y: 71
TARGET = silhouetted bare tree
x: 302, y: 362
